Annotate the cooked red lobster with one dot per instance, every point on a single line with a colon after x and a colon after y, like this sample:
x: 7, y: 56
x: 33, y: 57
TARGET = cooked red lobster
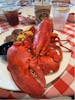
x: 29, y: 62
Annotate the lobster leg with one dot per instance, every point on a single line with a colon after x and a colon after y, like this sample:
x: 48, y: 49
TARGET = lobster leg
x: 55, y: 52
x: 47, y: 64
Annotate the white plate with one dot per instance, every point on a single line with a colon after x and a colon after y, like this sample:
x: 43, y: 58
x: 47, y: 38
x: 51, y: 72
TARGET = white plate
x: 6, y: 81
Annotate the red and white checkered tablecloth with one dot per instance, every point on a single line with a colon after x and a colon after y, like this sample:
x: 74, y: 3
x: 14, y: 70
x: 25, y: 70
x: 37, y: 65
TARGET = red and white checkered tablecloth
x: 4, y: 26
x: 65, y: 84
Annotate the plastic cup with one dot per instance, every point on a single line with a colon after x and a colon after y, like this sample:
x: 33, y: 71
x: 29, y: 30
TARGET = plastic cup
x: 60, y: 12
x: 11, y: 13
x: 41, y: 11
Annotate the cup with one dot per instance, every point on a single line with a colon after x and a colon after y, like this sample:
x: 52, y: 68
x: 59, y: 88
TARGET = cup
x: 41, y: 11
x: 60, y: 12
x: 11, y: 13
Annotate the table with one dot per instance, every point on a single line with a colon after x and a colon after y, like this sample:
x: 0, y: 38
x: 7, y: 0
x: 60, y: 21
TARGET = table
x: 65, y: 84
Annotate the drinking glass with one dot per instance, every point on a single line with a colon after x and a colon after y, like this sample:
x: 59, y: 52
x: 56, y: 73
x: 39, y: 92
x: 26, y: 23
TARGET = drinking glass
x: 41, y: 11
x: 11, y: 13
x: 60, y: 12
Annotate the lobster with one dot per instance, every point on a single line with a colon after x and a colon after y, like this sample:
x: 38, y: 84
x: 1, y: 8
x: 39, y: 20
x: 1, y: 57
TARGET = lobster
x: 29, y: 62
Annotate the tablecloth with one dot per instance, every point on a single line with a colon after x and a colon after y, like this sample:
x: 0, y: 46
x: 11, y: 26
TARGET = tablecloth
x: 65, y: 84
x: 4, y: 26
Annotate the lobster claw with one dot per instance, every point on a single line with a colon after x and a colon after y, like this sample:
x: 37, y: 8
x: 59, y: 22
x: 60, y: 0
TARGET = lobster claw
x: 42, y: 36
x: 27, y: 76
